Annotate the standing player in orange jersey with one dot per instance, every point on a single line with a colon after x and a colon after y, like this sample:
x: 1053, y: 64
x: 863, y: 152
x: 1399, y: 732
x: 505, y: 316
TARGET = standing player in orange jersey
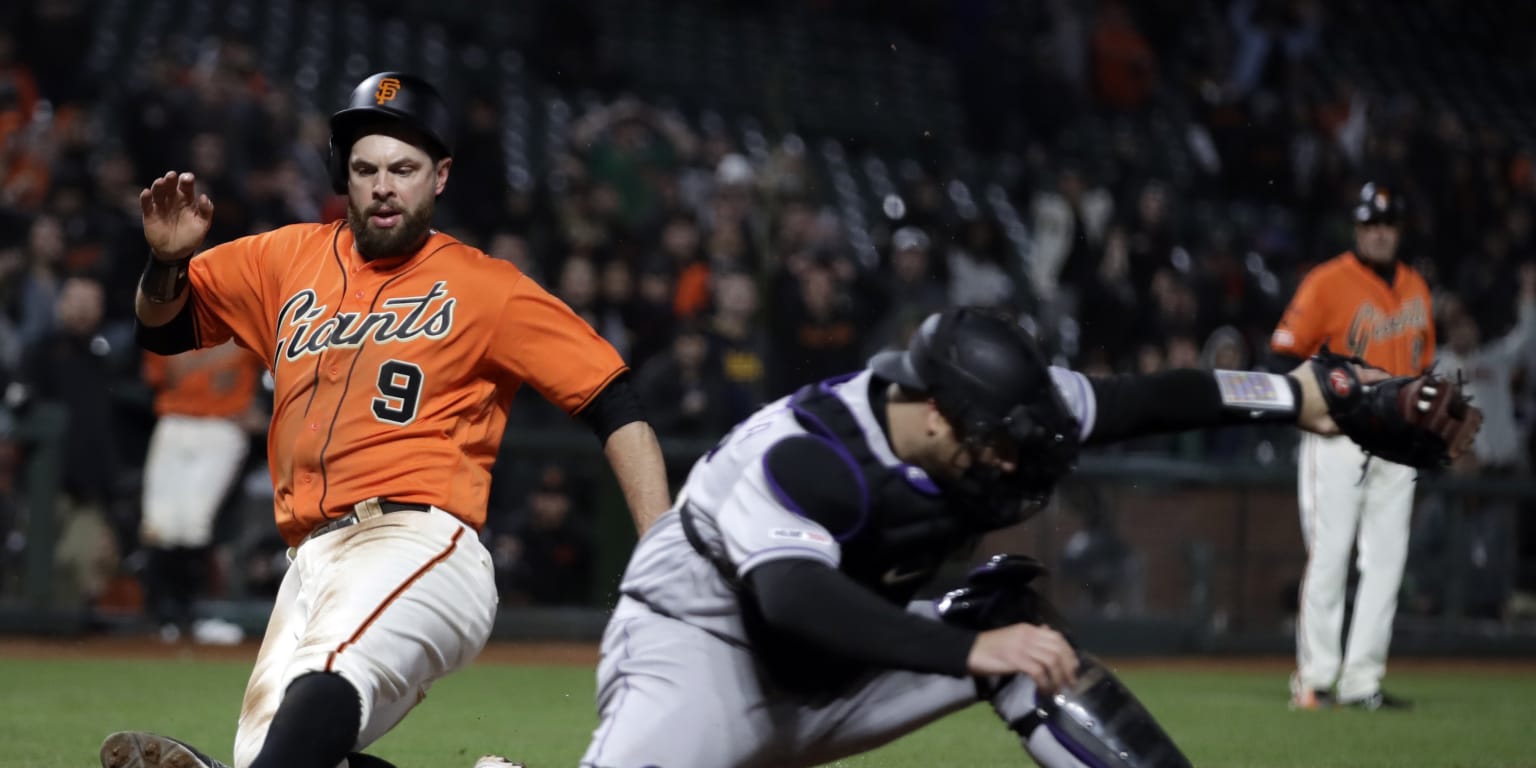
x: 204, y: 401
x: 1368, y: 304
x: 396, y: 351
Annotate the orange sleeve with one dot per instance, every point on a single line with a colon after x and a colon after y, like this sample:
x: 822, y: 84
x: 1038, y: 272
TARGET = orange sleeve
x: 231, y: 288
x: 1304, y: 326
x: 541, y: 341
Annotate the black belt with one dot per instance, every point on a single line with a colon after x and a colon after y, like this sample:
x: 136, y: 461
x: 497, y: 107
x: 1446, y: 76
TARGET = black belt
x: 366, y: 510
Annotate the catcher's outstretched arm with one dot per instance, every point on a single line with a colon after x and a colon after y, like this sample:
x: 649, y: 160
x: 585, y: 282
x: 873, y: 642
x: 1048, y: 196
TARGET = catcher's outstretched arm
x: 1133, y: 405
x: 1419, y: 421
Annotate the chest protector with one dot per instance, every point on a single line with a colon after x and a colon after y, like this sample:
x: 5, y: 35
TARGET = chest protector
x: 909, y: 528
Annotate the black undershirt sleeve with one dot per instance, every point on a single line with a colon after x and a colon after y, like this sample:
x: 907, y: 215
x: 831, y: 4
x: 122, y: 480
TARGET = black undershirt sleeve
x: 820, y: 605
x: 612, y: 408
x: 177, y: 336
x: 1279, y: 362
x: 1130, y: 406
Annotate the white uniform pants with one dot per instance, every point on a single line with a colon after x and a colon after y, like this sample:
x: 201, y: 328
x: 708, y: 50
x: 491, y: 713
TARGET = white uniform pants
x: 1339, y: 510
x: 191, y: 462
x: 390, y: 604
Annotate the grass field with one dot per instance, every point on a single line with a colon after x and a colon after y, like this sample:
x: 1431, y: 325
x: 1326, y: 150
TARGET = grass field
x: 55, y: 711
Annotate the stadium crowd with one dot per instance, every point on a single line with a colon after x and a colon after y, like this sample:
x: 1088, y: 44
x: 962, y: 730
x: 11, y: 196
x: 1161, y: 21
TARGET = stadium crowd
x: 725, y: 277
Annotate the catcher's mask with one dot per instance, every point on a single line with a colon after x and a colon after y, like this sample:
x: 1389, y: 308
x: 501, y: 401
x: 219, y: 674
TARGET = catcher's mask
x: 988, y: 379
x: 396, y: 97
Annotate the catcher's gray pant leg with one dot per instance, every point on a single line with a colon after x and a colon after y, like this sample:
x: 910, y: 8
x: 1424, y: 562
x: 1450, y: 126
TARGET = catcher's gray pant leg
x: 670, y: 694
x: 673, y: 695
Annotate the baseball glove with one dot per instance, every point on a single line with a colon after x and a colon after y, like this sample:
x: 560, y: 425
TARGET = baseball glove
x: 1421, y: 421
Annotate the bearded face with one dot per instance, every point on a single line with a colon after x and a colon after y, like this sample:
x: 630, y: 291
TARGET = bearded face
x: 387, y: 229
x: 392, y: 189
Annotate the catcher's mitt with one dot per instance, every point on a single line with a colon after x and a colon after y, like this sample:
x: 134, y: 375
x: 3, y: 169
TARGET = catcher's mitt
x: 1421, y: 421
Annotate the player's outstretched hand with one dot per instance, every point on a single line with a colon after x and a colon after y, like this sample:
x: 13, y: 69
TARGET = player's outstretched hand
x: 176, y: 219
x: 1312, y: 415
x: 1040, y: 652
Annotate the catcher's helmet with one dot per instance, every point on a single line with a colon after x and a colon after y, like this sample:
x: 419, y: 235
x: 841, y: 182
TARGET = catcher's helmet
x: 989, y: 379
x: 395, y: 96
x: 1379, y: 204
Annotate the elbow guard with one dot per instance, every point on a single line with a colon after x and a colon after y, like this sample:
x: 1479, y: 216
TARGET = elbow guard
x: 173, y: 338
x: 612, y: 408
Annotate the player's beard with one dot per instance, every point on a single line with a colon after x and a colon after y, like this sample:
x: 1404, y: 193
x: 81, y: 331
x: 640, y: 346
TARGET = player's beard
x: 403, y: 239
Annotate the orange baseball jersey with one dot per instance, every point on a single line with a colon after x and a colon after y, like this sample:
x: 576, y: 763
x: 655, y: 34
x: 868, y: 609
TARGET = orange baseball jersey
x: 1343, y: 303
x: 393, y: 377
x: 214, y: 383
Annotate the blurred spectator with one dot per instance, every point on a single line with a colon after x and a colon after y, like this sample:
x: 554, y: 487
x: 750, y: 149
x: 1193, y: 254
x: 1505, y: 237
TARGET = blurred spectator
x: 628, y: 146
x: 1069, y: 225
x: 738, y: 341
x: 578, y: 286
x: 1226, y: 349
x: 981, y: 272
x: 1125, y: 67
x: 1108, y: 315
x: 479, y: 186
x: 547, y: 559
x: 1273, y: 36
x: 44, y: 259
x: 913, y: 288
x: 68, y: 365
x: 651, y: 317
x: 511, y: 247
x: 684, y: 390
x: 817, y: 327
x: 1489, y: 369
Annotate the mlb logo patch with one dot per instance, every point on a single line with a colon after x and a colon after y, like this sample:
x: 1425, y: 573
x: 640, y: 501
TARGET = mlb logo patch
x: 797, y: 534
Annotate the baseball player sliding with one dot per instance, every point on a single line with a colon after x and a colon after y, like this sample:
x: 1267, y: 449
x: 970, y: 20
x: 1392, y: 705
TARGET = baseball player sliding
x: 1367, y: 304
x: 396, y: 351
x: 766, y: 619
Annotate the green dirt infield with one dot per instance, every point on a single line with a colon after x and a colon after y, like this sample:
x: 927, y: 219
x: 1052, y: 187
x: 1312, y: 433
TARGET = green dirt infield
x: 58, y: 698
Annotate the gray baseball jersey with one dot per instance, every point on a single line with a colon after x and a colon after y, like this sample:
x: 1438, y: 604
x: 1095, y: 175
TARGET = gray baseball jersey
x: 680, y: 683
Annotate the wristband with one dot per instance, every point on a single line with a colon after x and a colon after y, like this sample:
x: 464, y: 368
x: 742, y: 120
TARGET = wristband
x: 1260, y: 396
x: 164, y: 281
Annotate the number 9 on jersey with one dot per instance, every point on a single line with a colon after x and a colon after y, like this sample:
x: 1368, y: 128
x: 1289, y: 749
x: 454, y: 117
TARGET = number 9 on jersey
x: 399, y: 392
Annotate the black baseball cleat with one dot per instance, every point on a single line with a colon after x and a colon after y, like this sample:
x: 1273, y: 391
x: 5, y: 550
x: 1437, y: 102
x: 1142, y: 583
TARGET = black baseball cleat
x: 137, y: 749
x: 1380, y: 700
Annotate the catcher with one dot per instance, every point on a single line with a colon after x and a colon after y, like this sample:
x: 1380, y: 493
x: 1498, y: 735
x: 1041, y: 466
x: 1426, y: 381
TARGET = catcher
x: 769, y: 613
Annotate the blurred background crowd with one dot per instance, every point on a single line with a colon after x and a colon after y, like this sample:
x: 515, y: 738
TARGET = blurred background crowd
x: 744, y: 196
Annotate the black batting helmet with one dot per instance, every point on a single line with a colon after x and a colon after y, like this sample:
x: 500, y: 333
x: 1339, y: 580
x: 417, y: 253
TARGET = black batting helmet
x: 1379, y: 204
x: 989, y: 379
x: 393, y: 96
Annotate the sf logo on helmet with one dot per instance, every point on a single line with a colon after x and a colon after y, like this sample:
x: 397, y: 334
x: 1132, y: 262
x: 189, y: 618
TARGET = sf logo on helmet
x: 389, y: 87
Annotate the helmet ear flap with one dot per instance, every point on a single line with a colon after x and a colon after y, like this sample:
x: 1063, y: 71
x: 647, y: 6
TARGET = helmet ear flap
x: 336, y: 163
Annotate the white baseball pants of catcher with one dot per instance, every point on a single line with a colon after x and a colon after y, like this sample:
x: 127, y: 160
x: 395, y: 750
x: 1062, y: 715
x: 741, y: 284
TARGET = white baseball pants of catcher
x: 191, y: 463
x: 391, y: 604
x: 1341, y: 507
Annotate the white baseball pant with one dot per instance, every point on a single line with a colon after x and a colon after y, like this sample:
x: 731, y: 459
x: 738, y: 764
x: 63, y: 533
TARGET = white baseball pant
x: 1340, y: 508
x: 191, y: 463
x: 391, y: 604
